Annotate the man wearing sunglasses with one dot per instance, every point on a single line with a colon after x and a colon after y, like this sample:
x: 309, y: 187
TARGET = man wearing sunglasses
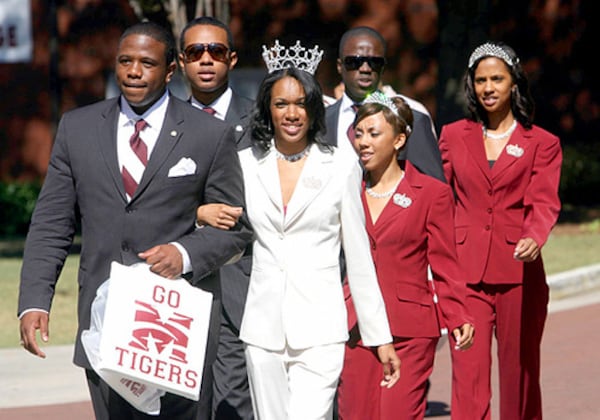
x: 361, y: 62
x: 206, y: 58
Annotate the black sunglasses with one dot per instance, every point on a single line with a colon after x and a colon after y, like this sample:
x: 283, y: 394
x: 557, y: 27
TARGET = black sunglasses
x: 353, y: 62
x: 217, y: 51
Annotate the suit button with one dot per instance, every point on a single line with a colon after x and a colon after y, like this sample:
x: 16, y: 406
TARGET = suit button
x: 130, y: 210
x: 489, y: 210
x: 487, y: 227
x: 490, y: 192
x: 281, y: 236
x: 124, y: 246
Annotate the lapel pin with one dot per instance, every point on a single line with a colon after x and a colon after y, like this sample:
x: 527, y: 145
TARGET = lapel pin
x: 514, y: 150
x: 173, y: 133
x: 402, y: 200
x: 239, y: 128
x: 312, y: 182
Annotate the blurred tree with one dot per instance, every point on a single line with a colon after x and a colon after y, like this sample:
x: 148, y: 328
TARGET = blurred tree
x: 179, y: 12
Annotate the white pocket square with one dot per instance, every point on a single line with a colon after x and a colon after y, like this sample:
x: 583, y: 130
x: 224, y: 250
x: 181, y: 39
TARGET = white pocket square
x: 185, y: 166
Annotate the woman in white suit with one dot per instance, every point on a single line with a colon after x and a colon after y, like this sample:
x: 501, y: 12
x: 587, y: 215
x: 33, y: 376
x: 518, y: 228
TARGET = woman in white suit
x: 303, y: 201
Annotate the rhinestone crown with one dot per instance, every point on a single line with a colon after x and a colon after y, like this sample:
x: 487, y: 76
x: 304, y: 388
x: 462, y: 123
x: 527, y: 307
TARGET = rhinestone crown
x: 491, y: 50
x: 381, y: 98
x: 278, y: 57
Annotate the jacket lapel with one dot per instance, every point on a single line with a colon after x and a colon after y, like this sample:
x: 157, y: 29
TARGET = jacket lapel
x: 473, y: 140
x: 107, y: 136
x: 401, y: 202
x: 516, y: 147
x: 269, y: 178
x: 239, y: 117
x: 314, y: 177
x: 169, y: 136
x: 331, y: 122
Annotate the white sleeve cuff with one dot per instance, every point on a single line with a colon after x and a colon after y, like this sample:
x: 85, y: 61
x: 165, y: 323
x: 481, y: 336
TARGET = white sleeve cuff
x: 187, y: 263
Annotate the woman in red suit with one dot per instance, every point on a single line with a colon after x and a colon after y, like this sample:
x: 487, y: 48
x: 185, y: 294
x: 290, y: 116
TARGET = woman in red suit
x: 408, y: 219
x: 505, y: 174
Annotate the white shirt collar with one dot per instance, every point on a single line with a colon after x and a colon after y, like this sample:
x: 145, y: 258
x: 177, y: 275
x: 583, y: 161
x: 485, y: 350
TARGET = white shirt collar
x: 220, y: 105
x: 347, y: 104
x: 154, y: 115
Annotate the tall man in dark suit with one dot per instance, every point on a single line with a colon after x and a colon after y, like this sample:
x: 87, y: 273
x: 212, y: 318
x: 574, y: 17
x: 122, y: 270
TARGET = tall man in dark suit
x: 135, y: 192
x: 361, y: 62
x: 207, y: 56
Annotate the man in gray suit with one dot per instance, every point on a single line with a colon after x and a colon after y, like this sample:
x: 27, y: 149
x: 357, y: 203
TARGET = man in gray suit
x: 135, y: 194
x: 207, y: 56
x: 361, y: 61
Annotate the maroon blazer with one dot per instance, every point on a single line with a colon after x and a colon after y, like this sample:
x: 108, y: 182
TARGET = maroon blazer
x: 415, y: 230
x: 495, y: 207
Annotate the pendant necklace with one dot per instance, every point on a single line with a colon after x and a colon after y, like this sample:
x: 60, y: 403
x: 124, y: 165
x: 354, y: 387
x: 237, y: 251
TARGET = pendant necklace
x: 499, y: 136
x: 384, y: 194
x: 294, y: 157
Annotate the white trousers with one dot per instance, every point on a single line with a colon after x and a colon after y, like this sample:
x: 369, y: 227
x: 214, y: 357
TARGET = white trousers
x: 294, y: 384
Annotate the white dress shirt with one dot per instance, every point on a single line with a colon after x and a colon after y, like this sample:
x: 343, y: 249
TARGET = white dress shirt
x: 346, y: 118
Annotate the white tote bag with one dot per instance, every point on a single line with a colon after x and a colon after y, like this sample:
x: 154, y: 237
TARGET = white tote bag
x: 148, y: 335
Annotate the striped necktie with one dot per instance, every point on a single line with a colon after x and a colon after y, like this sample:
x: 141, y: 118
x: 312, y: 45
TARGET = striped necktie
x: 131, y: 177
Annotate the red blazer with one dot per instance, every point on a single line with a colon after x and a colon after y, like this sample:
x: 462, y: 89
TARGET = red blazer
x: 413, y: 231
x: 495, y: 207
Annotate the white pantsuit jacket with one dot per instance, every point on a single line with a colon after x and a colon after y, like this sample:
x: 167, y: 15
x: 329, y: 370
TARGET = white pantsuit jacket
x: 295, y: 296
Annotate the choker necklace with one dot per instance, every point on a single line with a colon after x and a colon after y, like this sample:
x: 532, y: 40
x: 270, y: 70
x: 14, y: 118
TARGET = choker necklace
x: 499, y: 136
x: 384, y: 194
x: 292, y: 158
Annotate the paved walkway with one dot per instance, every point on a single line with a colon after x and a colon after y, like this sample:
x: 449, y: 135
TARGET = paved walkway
x: 54, y: 389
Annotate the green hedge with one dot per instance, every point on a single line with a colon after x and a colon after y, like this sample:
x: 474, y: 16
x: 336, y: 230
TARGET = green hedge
x: 579, y: 186
x: 17, y: 201
x: 580, y: 176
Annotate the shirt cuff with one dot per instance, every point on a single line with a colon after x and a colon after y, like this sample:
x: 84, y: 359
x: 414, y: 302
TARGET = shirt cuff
x: 187, y: 262
x: 32, y: 310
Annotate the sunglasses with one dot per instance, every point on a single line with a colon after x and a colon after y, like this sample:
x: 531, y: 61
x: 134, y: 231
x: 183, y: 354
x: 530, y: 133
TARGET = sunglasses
x: 353, y: 62
x: 216, y: 50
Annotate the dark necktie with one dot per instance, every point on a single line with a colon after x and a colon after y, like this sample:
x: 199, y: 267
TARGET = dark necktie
x: 141, y: 151
x: 350, y: 131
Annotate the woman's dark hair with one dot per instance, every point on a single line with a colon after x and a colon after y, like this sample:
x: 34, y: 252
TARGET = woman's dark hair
x: 399, y: 122
x: 261, y: 124
x: 521, y: 100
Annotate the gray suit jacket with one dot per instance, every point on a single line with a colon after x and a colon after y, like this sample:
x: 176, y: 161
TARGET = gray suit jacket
x: 421, y: 148
x: 83, y: 185
x: 236, y: 277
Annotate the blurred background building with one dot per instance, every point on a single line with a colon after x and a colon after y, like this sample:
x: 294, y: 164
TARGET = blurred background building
x: 74, y: 44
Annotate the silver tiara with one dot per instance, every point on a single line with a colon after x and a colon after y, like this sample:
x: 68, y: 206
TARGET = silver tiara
x: 491, y: 50
x: 381, y: 98
x: 278, y: 57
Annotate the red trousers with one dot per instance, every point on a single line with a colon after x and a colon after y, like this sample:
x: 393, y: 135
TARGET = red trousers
x: 516, y: 315
x: 360, y: 396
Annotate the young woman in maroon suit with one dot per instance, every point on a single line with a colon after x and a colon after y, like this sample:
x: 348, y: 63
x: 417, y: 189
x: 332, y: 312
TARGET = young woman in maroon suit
x: 408, y: 219
x: 505, y: 174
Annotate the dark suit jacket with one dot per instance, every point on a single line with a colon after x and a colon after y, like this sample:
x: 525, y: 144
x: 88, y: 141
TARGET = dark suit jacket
x: 516, y: 198
x: 84, y: 185
x: 235, y: 278
x: 421, y: 148
x: 426, y: 235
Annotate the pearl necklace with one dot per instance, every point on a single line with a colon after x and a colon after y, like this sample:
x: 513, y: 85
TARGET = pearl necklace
x: 387, y: 193
x: 502, y: 135
x: 292, y: 158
